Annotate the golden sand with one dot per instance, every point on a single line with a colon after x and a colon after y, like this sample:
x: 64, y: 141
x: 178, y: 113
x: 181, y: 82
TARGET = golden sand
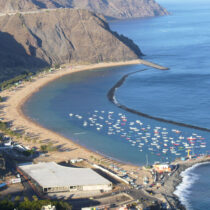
x: 12, y: 111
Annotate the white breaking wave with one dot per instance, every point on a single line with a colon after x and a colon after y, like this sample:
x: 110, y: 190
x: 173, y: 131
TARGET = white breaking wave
x: 183, y: 190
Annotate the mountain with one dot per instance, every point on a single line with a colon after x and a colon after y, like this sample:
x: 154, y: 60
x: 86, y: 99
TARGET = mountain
x: 60, y: 36
x: 122, y: 9
x: 117, y: 9
x: 13, y: 58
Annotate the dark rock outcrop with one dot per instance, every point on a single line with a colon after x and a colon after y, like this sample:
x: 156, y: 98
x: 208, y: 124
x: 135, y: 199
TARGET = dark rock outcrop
x: 118, y: 9
x: 13, y: 58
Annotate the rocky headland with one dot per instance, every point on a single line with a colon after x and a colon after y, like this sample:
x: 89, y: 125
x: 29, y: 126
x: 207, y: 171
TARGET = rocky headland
x: 117, y: 9
x: 39, y: 33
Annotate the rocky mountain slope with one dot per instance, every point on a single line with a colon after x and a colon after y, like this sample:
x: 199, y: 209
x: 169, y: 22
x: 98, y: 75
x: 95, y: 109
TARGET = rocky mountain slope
x: 60, y: 36
x: 120, y: 9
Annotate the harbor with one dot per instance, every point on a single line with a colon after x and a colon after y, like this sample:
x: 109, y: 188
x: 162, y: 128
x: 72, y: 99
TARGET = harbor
x: 165, y: 143
x: 159, y: 141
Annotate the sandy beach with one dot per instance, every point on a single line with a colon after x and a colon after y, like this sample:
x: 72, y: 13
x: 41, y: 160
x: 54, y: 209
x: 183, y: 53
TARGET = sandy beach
x: 11, y: 110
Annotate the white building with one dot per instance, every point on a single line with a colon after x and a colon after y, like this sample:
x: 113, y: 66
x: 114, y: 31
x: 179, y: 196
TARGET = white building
x: 48, y: 207
x: 51, y: 177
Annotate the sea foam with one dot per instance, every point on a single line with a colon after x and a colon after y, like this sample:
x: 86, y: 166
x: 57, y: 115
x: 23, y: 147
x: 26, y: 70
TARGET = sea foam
x: 183, y: 190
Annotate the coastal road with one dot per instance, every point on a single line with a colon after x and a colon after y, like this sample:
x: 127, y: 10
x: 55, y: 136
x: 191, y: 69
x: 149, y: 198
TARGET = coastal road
x: 29, y: 12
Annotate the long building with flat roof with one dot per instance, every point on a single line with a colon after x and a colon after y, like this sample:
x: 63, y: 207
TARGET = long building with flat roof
x: 51, y: 177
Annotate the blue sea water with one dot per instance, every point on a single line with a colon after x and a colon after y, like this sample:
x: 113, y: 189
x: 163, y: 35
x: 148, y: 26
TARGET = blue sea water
x: 179, y: 41
x: 194, y: 191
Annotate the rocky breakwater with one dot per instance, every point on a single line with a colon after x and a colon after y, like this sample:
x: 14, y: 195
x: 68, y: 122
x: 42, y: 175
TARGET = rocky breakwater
x: 61, y: 36
x: 171, y: 182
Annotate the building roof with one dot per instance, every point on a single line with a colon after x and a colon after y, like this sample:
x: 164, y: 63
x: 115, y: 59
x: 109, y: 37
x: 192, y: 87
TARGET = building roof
x: 50, y: 174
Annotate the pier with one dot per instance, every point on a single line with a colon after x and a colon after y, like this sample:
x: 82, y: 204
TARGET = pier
x: 153, y: 65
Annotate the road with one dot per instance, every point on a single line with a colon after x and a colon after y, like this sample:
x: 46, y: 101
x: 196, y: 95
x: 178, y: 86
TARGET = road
x: 28, y: 12
x: 111, y: 198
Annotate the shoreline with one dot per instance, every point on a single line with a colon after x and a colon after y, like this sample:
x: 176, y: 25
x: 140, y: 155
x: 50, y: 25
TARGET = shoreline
x: 12, y: 111
x: 171, y: 184
x: 184, y: 174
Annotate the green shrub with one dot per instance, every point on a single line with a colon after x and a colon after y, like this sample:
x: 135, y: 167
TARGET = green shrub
x: 32, y: 205
x: 8, y: 83
x: 48, y: 147
x: 3, y: 126
x: 28, y: 152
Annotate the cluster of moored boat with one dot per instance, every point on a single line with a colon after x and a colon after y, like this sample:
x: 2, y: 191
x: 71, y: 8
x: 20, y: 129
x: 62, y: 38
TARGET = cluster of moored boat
x: 157, y: 140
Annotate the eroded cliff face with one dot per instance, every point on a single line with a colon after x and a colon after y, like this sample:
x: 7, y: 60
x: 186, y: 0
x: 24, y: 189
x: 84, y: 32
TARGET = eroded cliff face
x: 65, y: 36
x: 31, y: 5
x: 119, y: 9
x: 122, y: 9
x: 32, y: 38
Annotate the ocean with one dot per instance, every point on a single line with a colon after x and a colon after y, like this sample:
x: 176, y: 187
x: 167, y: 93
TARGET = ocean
x: 77, y: 106
x: 194, y: 190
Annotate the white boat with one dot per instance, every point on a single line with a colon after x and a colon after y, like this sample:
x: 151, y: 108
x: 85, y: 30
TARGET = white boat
x: 85, y: 124
x: 202, y: 145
